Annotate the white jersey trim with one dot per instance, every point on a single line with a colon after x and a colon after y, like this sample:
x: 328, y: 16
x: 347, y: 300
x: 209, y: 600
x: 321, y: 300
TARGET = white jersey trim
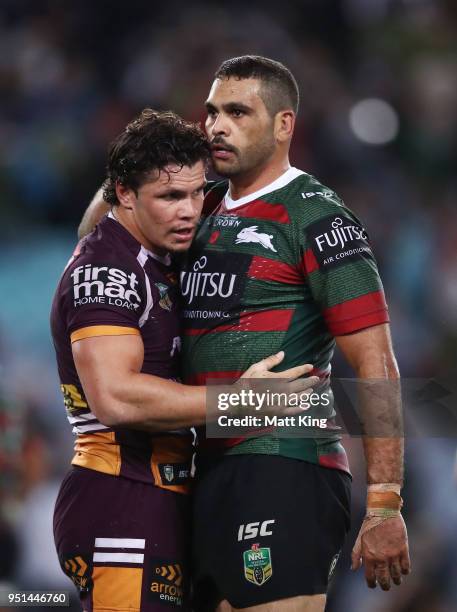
x: 120, y: 543
x: 286, y: 178
x: 142, y: 259
x: 102, y: 557
x: 87, y: 416
x: 82, y: 429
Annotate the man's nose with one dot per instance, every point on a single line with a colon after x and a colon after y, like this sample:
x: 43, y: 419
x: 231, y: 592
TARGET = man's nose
x: 220, y: 126
x: 187, y: 208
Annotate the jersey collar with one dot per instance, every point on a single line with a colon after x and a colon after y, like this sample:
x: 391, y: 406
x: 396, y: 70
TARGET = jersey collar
x: 288, y: 176
x: 166, y: 259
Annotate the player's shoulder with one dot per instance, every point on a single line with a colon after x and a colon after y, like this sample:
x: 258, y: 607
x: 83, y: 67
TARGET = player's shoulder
x: 108, y: 254
x: 112, y: 241
x: 308, y: 200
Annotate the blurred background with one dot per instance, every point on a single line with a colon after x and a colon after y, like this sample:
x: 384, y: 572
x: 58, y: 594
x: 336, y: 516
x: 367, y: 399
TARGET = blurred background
x: 377, y: 122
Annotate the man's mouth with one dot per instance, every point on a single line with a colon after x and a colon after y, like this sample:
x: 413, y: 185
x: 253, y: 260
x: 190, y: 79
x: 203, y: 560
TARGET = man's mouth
x: 221, y: 151
x: 184, y: 233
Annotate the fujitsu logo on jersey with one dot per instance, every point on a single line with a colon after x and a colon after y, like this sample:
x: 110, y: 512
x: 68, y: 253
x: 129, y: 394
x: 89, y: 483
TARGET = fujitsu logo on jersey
x: 206, y: 284
x: 340, y: 235
x: 105, y: 285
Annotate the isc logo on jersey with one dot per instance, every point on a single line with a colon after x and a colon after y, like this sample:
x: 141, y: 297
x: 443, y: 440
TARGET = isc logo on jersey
x: 105, y: 285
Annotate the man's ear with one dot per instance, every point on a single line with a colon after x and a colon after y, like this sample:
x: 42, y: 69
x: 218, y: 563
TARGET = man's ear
x: 125, y: 195
x: 284, y: 125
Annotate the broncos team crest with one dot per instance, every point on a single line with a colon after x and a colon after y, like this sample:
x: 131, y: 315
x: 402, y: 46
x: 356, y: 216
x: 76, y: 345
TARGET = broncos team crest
x: 164, y: 301
x: 257, y: 565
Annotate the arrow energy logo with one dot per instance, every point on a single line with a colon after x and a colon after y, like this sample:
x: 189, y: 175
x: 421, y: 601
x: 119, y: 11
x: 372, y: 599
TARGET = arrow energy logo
x: 167, y: 581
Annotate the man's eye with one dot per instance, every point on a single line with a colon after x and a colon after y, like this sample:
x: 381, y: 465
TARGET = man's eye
x: 236, y: 112
x: 211, y: 113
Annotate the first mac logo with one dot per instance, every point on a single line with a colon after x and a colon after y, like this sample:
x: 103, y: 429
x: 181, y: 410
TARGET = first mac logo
x: 105, y: 285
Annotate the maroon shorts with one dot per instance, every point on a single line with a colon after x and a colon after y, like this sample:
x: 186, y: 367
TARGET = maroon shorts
x: 124, y: 544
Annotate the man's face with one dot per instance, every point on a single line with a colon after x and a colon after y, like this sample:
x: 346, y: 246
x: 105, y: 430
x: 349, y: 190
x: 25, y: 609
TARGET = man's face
x: 167, y: 208
x: 239, y: 127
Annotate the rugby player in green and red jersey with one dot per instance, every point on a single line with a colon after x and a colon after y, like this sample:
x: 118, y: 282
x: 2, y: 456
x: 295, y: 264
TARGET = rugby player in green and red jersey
x: 303, y: 277
x: 292, y: 270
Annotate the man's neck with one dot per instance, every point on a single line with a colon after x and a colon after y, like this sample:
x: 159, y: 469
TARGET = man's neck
x: 257, y: 179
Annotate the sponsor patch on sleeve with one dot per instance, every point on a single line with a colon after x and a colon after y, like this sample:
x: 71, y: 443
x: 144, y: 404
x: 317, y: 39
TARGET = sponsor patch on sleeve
x: 105, y: 284
x: 337, y: 239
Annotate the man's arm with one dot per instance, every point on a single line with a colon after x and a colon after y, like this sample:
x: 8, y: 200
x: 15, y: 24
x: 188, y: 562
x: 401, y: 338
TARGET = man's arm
x: 370, y: 354
x: 94, y: 212
x: 109, y: 368
x: 383, y: 547
x: 120, y: 395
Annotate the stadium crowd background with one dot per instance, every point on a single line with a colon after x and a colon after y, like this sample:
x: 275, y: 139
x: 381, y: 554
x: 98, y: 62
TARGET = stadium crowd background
x: 377, y: 122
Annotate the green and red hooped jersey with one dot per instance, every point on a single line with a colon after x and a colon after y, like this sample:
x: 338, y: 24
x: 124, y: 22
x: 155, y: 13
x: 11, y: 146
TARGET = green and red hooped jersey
x: 286, y: 268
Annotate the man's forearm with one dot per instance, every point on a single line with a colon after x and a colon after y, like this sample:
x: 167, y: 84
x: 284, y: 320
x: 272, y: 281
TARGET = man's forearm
x: 384, y: 459
x: 370, y: 354
x: 162, y: 405
x: 120, y: 395
x: 149, y: 403
x: 380, y: 409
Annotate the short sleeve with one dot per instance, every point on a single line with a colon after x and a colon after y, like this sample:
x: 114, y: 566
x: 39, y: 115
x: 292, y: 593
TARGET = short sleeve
x: 341, y: 271
x: 102, y: 299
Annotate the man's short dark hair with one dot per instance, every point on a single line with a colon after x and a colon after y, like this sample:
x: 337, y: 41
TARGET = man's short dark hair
x: 279, y: 89
x: 149, y: 143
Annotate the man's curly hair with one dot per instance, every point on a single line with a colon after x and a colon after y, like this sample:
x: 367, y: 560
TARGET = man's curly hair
x: 149, y: 143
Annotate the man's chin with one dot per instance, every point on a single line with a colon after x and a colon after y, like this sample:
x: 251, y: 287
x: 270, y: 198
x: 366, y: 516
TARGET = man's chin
x: 224, y: 168
x: 180, y: 247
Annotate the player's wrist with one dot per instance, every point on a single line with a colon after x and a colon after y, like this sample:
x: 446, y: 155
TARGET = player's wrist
x: 384, y: 500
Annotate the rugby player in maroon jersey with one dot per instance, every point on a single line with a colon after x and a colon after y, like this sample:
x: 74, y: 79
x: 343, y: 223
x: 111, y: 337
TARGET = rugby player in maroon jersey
x: 277, y: 229
x: 121, y: 521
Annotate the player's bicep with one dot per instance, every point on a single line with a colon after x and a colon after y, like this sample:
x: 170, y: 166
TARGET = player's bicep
x: 104, y: 364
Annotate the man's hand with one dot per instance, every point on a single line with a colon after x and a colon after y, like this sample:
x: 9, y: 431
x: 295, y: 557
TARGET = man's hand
x: 383, y: 549
x: 284, y: 383
x: 291, y: 377
x: 261, y: 369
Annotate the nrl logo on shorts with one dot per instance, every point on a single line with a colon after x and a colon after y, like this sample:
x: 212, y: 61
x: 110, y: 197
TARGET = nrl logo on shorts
x: 257, y: 565
x: 164, y: 301
x: 250, y: 234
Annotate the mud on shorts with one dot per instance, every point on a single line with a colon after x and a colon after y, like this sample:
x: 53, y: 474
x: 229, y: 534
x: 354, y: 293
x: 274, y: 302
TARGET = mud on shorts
x: 123, y: 543
x: 265, y: 528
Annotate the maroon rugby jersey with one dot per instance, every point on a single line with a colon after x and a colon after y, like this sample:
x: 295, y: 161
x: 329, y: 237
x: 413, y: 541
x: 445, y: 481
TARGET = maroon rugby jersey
x: 114, y: 286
